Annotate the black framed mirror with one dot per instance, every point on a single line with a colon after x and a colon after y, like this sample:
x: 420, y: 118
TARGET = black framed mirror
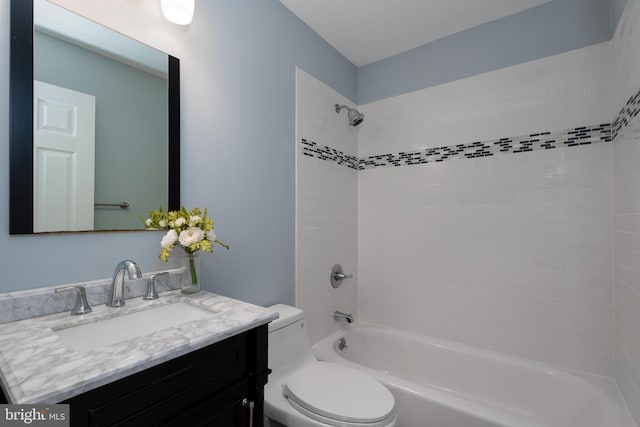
x: 66, y: 88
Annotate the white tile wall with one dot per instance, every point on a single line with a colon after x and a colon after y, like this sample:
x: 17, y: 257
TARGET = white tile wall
x: 511, y: 253
x: 326, y: 203
x: 626, y: 202
x: 552, y: 93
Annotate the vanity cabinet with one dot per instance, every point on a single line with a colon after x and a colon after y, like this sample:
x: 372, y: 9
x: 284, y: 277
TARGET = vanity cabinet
x: 212, y: 386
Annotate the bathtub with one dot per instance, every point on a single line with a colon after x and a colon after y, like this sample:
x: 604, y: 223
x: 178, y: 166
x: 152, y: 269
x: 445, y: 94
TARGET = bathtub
x: 438, y: 383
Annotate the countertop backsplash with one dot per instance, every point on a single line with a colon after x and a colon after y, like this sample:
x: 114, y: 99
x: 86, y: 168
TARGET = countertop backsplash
x: 38, y: 302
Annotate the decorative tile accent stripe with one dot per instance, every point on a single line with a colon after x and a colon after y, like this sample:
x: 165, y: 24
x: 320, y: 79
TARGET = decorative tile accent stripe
x: 626, y: 114
x: 574, y: 137
x: 520, y: 144
x: 311, y: 149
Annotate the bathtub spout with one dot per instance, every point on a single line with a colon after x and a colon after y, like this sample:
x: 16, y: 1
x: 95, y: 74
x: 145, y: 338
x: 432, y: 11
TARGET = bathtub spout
x: 338, y: 315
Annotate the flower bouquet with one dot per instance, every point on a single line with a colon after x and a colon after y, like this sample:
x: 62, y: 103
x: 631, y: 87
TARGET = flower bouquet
x: 191, y: 230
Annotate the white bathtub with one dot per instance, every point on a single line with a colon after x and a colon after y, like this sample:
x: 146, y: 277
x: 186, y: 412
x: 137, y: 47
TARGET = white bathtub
x: 443, y: 384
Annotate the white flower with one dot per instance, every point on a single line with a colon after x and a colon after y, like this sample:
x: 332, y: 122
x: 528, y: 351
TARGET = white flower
x: 193, y: 220
x: 180, y: 222
x: 190, y: 236
x: 162, y: 223
x: 211, y: 236
x: 169, y: 239
x: 148, y: 222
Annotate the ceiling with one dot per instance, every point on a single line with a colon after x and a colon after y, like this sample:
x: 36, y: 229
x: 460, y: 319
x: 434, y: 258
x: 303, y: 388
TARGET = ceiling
x: 366, y: 31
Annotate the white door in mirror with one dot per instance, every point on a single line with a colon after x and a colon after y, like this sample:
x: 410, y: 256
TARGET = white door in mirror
x: 64, y: 158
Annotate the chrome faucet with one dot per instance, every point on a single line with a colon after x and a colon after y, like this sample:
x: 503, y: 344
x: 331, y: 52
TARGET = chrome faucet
x: 338, y: 315
x: 116, y: 297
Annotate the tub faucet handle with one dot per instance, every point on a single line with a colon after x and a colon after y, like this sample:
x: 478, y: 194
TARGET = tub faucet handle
x: 337, y: 276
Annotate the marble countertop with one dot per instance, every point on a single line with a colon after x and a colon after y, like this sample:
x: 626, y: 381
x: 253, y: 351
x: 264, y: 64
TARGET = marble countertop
x: 36, y: 366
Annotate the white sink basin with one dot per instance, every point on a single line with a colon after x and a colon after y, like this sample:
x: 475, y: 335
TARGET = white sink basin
x: 83, y: 338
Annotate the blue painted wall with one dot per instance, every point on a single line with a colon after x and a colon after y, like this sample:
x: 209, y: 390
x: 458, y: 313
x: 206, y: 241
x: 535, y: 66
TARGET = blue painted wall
x: 552, y: 28
x: 241, y: 160
x: 238, y: 126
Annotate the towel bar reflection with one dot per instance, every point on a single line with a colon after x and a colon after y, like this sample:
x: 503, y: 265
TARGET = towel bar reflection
x: 121, y: 205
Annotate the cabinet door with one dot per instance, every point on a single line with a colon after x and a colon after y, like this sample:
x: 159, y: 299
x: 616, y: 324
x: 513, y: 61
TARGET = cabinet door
x: 223, y: 410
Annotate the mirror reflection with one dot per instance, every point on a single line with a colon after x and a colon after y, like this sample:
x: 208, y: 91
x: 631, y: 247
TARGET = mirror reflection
x: 100, y: 136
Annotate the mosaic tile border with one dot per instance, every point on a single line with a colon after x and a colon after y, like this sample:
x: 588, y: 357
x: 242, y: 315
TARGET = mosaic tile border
x: 547, y: 140
x: 573, y: 137
x: 520, y: 144
x: 322, y: 152
x: 626, y: 114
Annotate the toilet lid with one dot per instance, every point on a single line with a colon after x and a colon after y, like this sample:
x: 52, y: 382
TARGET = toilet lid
x: 340, y: 393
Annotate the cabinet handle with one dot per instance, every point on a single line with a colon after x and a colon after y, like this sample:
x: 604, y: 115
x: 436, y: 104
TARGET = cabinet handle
x: 250, y: 404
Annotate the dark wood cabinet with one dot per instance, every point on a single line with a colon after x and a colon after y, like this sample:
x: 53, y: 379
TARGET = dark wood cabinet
x: 213, y: 386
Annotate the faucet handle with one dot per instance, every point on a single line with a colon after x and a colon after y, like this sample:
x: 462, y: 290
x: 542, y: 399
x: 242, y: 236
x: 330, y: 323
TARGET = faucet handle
x: 81, y: 306
x: 151, y: 292
x: 337, y: 276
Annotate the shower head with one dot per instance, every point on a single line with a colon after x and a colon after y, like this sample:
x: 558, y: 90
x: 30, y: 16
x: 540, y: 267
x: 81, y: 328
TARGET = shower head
x: 355, y: 116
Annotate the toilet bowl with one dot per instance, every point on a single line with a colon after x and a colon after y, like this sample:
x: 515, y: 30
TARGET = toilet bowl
x: 304, y: 392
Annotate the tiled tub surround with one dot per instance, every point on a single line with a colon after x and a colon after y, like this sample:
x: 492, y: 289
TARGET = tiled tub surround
x: 510, y: 251
x: 322, y: 152
x: 626, y: 229
x: 42, y: 301
x: 326, y: 207
x: 37, y: 367
x: 626, y: 207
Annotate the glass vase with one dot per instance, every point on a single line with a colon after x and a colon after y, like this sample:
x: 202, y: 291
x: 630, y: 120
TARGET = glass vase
x: 191, y: 282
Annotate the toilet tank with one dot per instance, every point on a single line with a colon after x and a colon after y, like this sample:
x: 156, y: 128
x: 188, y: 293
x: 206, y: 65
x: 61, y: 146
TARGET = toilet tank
x: 289, y: 346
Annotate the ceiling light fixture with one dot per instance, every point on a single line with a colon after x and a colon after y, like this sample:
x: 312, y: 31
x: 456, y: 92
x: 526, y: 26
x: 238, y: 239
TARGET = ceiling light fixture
x: 178, y: 11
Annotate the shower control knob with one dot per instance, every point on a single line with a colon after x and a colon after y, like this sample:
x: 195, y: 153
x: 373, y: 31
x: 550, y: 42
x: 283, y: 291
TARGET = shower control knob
x: 337, y: 276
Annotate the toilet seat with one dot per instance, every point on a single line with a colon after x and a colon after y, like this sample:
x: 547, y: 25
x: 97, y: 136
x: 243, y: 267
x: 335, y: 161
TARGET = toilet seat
x: 339, y: 396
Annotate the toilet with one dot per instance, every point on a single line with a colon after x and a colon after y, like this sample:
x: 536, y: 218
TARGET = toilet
x: 304, y: 392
